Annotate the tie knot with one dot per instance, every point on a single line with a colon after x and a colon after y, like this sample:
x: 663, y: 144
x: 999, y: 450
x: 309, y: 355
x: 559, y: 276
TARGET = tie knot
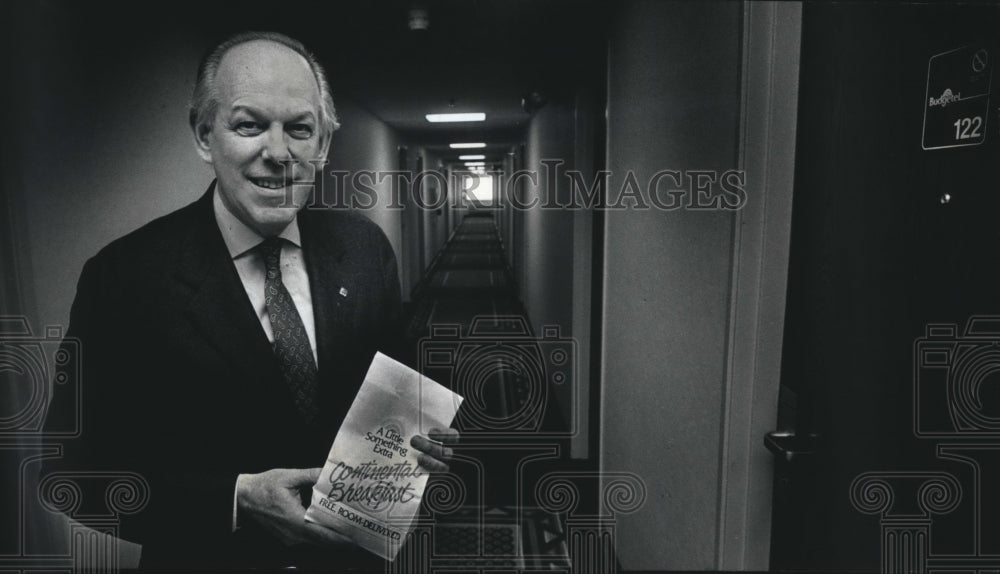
x: 270, y: 250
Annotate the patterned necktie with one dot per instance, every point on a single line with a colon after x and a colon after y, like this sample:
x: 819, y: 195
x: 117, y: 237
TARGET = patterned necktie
x: 291, y: 344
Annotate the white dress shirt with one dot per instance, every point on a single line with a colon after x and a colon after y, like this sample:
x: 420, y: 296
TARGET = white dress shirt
x: 241, y: 241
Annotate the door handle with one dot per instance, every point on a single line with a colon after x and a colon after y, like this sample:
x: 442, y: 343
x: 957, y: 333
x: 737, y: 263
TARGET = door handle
x: 791, y: 446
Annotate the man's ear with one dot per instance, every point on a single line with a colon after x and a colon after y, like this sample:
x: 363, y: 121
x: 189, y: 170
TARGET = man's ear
x: 202, y: 143
x: 324, y: 145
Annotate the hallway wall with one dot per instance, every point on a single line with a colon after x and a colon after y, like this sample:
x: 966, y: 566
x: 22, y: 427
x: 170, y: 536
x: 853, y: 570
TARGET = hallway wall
x: 435, y: 221
x: 673, y: 103
x: 364, y: 143
x: 103, y: 147
x: 547, y: 267
x: 412, y: 232
x: 554, y: 252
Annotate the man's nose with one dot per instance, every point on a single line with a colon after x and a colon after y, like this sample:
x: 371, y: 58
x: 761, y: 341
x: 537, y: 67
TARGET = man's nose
x: 276, y: 145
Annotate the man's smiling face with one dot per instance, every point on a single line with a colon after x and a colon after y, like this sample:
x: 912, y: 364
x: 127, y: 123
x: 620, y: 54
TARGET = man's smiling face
x: 267, y: 120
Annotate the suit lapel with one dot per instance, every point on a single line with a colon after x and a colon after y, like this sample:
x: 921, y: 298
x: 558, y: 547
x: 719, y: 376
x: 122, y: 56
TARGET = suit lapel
x: 218, y: 306
x: 323, y: 254
x: 334, y: 287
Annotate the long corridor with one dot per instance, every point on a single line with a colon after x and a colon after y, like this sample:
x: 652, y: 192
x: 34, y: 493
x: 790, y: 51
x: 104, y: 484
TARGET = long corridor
x: 471, y: 333
x: 468, y: 278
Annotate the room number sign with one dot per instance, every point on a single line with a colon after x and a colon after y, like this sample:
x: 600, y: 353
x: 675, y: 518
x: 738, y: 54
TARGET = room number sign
x: 956, y: 103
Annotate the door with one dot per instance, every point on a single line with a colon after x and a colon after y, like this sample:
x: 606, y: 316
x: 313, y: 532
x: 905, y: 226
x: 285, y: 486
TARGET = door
x: 893, y: 253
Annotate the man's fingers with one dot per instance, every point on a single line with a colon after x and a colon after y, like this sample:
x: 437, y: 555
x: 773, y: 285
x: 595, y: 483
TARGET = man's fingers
x: 274, y: 500
x: 446, y: 436
x: 435, y: 449
x: 434, y: 455
x: 432, y: 464
x: 299, y: 477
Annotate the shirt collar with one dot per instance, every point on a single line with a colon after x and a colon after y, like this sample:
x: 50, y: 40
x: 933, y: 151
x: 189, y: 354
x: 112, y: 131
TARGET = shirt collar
x: 239, y: 237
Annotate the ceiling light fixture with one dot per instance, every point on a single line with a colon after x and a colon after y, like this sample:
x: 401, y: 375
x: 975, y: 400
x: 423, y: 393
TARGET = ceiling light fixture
x: 475, y: 164
x: 467, y: 145
x: 463, y: 117
x: 418, y: 19
x: 471, y: 157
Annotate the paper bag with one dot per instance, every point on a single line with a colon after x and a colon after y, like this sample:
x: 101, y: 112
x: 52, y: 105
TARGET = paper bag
x: 371, y: 485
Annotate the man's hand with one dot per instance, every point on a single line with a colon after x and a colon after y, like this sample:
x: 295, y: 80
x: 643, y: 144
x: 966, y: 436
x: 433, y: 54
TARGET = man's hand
x: 272, y: 500
x: 435, y: 455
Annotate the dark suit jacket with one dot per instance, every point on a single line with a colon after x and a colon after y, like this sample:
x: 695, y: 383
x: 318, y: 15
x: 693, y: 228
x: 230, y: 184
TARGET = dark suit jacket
x: 179, y: 381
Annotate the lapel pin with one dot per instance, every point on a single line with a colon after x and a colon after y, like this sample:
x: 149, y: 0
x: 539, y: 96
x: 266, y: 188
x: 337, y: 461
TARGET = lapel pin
x: 343, y: 292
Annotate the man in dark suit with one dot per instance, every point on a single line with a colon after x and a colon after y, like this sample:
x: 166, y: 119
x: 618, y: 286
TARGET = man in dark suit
x: 222, y: 344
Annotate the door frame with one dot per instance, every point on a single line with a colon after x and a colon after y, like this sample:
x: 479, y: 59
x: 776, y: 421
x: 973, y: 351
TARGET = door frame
x: 761, y: 237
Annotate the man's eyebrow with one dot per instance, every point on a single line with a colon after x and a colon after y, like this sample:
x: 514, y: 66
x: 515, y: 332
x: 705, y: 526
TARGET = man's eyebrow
x: 248, y: 109
x: 306, y: 115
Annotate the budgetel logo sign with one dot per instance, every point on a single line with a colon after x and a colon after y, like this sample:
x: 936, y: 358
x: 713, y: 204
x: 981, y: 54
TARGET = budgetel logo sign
x: 946, y: 98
